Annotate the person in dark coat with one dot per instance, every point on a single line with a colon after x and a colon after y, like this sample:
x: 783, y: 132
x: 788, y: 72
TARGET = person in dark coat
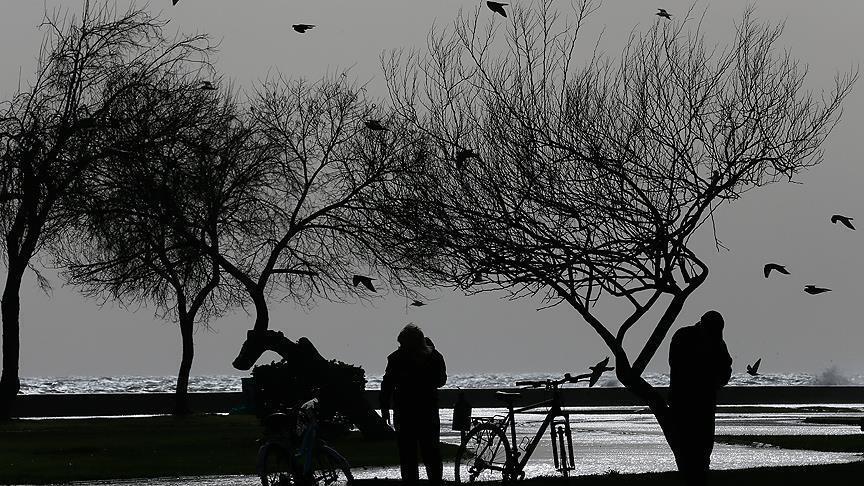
x: 699, y: 365
x: 414, y: 373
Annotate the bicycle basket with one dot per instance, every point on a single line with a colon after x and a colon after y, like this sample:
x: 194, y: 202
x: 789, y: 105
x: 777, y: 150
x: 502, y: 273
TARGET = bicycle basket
x: 281, y: 423
x: 498, y: 420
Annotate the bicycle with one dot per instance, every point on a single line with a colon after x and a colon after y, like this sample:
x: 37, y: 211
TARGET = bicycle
x: 488, y: 454
x: 292, y: 453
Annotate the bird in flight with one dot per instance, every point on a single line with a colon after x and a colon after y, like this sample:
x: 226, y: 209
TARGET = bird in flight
x: 661, y: 12
x: 302, y: 28
x: 753, y: 370
x: 207, y: 86
x: 598, y: 370
x: 418, y: 303
x: 366, y: 281
x: 776, y: 267
x: 375, y: 125
x: 464, y: 154
x: 847, y: 221
x: 813, y: 290
x: 497, y: 7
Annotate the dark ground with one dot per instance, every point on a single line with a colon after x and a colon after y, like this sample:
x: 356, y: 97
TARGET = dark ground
x: 58, y: 450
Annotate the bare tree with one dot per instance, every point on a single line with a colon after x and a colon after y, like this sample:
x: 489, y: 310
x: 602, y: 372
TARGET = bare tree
x: 584, y: 184
x: 301, y: 231
x: 128, y: 247
x: 50, y: 133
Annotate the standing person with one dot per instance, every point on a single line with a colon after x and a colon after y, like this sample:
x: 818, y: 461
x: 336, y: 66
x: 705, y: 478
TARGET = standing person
x: 414, y: 373
x: 699, y: 365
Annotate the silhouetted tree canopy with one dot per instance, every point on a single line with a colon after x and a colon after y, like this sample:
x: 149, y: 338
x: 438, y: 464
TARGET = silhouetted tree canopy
x: 135, y: 210
x: 129, y: 244
x: 301, y: 231
x: 590, y: 179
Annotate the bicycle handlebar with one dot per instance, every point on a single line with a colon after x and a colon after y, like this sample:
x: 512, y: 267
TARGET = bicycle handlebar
x: 535, y: 384
x: 568, y: 378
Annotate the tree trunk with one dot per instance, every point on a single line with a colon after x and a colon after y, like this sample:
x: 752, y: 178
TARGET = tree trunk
x: 262, y: 313
x: 661, y: 410
x: 10, y: 307
x: 181, y: 406
x: 658, y: 405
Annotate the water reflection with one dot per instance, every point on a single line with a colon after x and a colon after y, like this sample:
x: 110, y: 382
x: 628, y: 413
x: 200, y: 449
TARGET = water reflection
x: 633, y: 443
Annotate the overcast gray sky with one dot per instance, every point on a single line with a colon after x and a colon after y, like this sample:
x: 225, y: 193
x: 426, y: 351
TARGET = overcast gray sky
x: 64, y: 334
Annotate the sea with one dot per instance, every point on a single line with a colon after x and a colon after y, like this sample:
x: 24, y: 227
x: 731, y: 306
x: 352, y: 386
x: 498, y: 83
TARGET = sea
x: 39, y: 385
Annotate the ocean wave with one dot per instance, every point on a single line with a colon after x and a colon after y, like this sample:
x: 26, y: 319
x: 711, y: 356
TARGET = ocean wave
x: 227, y: 383
x: 126, y: 384
x: 834, y: 377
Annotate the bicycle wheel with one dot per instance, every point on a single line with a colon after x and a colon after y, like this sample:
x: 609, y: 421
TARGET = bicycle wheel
x: 274, y: 466
x: 330, y: 468
x: 484, y: 455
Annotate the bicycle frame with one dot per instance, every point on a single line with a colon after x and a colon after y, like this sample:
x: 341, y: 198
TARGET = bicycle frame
x: 300, y: 445
x: 555, y: 412
x: 481, y: 449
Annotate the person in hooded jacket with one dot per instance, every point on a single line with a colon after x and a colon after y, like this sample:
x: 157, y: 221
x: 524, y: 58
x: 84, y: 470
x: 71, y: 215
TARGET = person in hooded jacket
x: 414, y: 373
x: 699, y: 365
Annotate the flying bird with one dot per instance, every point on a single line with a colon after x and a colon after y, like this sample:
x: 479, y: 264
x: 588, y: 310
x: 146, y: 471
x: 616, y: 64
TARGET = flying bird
x: 661, y: 12
x: 847, y: 221
x: 418, y: 303
x: 375, y: 125
x: 366, y: 281
x: 302, y: 28
x: 464, y: 154
x: 207, y: 86
x: 776, y: 267
x: 753, y: 370
x: 598, y: 370
x: 813, y: 290
x: 497, y: 7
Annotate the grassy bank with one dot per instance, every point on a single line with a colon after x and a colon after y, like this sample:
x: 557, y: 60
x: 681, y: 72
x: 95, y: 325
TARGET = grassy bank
x: 44, y: 451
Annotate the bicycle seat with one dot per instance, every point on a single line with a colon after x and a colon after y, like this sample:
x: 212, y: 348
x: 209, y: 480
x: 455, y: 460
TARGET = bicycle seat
x: 280, y: 420
x: 507, y: 396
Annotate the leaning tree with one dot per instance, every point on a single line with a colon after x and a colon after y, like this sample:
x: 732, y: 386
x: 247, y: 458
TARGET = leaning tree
x: 583, y: 183
x: 50, y: 133
x: 126, y: 246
